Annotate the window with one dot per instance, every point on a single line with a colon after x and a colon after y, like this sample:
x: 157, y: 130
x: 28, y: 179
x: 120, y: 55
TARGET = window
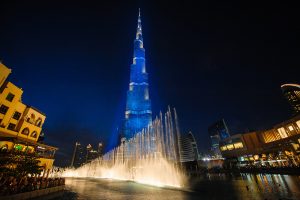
x: 39, y: 122
x: 33, y: 134
x: 223, y: 148
x: 282, y: 132
x: 11, y: 126
x: 291, y: 128
x: 3, y: 109
x: 146, y: 94
x: 17, y: 115
x: 10, y: 97
x: 298, y: 123
x: 4, y: 148
x: 25, y: 131
x: 238, y: 145
x: 230, y: 147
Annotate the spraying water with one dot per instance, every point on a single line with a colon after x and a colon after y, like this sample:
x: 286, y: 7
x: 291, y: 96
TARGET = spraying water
x: 150, y: 157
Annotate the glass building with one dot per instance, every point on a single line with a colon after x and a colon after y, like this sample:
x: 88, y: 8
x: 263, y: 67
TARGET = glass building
x: 138, y: 114
x: 218, y: 132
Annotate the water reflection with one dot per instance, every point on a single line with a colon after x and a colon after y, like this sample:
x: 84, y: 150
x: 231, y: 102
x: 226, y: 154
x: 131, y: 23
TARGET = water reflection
x: 216, y: 186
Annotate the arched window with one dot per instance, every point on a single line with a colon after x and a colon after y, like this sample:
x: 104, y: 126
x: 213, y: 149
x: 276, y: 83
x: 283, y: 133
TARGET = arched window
x: 38, y: 122
x: 34, y: 134
x: 4, y: 148
x: 25, y: 131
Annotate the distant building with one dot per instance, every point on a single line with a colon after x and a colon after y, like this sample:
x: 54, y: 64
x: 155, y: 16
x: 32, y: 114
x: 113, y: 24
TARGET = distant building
x: 20, y: 124
x: 188, y: 148
x: 218, y: 132
x: 91, y: 154
x: 278, y: 146
x: 292, y: 94
x: 100, y: 149
x: 79, y: 156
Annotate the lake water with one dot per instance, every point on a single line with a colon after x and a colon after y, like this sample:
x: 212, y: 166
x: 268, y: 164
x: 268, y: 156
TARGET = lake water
x: 244, y: 186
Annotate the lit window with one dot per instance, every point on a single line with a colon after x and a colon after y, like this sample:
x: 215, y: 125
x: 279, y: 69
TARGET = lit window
x: 144, y: 69
x: 39, y: 122
x: 3, y: 109
x: 25, y: 131
x: 230, y: 147
x: 146, y: 95
x: 298, y: 123
x: 238, y: 145
x: 282, y: 132
x: 131, y: 87
x: 33, y: 134
x: 223, y: 148
x: 10, y: 97
x: 291, y: 128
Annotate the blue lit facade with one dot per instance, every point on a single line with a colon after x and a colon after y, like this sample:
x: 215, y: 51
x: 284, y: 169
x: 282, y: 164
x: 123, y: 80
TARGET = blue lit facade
x: 138, y: 114
x: 218, y: 132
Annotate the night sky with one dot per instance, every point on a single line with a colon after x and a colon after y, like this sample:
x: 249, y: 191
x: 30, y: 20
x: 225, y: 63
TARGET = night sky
x: 210, y: 60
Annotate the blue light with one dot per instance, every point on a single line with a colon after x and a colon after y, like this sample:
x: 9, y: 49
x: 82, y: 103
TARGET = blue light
x: 138, y: 113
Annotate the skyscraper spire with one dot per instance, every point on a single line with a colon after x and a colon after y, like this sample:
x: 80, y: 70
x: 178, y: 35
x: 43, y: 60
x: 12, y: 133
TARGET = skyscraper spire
x: 139, y: 27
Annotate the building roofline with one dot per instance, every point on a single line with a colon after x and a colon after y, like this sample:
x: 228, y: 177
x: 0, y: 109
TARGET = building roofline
x: 288, y: 85
x: 36, y: 110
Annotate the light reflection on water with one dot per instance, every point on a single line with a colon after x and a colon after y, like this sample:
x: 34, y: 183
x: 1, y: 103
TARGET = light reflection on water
x: 244, y: 186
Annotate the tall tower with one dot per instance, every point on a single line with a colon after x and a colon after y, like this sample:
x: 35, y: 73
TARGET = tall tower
x: 138, y: 113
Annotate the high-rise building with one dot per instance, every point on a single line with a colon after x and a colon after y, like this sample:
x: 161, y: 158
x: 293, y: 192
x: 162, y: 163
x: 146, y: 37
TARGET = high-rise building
x: 138, y: 114
x: 100, y: 149
x: 292, y: 94
x: 218, y: 132
x: 188, y: 148
x: 78, y: 157
x: 20, y: 124
x: 91, y: 154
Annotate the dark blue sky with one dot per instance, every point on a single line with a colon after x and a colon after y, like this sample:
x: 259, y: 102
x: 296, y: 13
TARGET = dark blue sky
x: 210, y: 60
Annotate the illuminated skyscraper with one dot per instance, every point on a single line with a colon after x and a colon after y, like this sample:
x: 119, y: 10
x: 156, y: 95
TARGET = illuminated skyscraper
x: 138, y: 113
x: 218, y: 132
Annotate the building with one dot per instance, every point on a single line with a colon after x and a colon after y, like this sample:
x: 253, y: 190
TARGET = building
x: 79, y: 156
x: 217, y: 132
x: 91, y: 154
x: 292, y: 93
x: 188, y: 148
x: 278, y: 146
x: 82, y: 156
x: 138, y: 114
x: 20, y: 124
x: 100, y: 149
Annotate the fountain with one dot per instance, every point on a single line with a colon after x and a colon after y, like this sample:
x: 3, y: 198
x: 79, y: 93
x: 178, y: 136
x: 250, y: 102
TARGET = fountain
x: 150, y: 157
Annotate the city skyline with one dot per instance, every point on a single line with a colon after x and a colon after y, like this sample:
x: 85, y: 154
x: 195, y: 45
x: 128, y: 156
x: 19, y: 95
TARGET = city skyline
x: 78, y: 74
